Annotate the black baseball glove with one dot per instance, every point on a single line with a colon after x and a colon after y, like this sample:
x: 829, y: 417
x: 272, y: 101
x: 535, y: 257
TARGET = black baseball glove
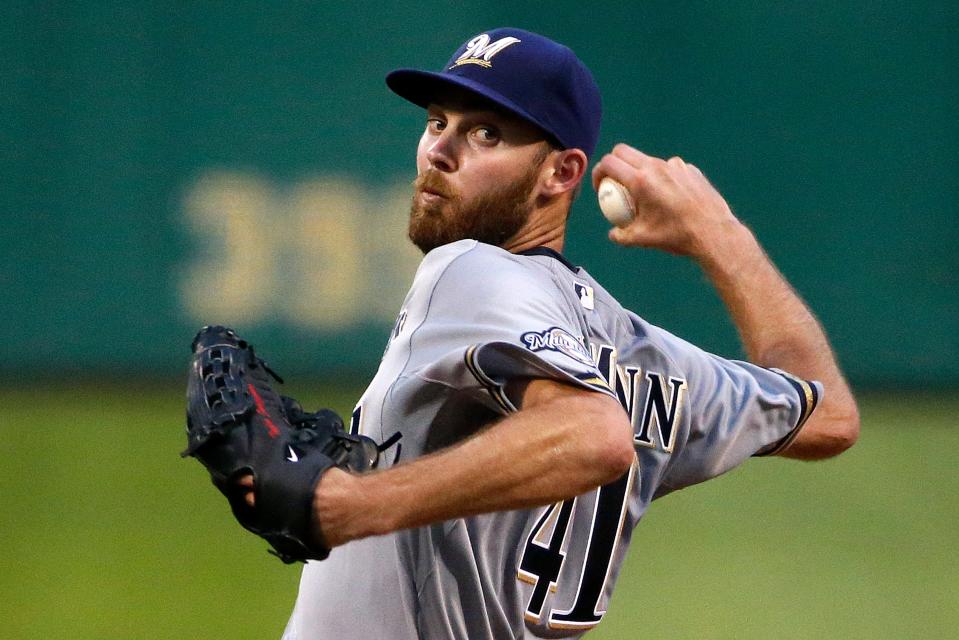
x: 238, y: 425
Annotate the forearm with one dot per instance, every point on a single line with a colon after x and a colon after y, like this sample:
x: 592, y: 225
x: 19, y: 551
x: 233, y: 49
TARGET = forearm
x: 679, y: 211
x: 545, y: 453
x: 777, y: 329
x: 775, y: 326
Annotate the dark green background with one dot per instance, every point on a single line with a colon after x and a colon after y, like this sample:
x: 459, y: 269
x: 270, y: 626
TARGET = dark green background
x: 830, y: 127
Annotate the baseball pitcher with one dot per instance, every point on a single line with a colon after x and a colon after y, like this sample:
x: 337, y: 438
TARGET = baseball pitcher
x: 521, y: 420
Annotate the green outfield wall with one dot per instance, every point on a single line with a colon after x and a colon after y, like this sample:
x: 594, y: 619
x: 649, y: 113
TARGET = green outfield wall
x: 167, y: 165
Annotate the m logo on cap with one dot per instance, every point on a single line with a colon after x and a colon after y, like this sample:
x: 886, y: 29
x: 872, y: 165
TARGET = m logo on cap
x: 480, y: 50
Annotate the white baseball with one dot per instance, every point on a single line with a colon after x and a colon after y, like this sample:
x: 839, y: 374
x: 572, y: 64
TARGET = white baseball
x: 615, y: 202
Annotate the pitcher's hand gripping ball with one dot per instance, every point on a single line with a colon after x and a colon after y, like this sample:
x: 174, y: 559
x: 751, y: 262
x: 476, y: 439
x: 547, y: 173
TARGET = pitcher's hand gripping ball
x: 615, y: 202
x: 238, y: 425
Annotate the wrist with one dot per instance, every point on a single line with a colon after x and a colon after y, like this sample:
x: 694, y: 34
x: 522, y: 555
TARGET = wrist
x: 336, y: 512
x: 728, y: 247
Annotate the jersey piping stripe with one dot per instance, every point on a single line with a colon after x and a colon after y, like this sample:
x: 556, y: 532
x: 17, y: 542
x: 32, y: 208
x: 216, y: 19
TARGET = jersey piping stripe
x: 808, y: 399
x: 498, y: 393
x: 597, y: 384
x: 495, y: 389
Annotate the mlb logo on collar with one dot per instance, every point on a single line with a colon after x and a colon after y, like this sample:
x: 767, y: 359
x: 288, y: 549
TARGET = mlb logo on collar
x: 480, y: 51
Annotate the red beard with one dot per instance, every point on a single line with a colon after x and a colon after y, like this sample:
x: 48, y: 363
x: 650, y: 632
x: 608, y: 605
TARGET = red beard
x: 493, y: 217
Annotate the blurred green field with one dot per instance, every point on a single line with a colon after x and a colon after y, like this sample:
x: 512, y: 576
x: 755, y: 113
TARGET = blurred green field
x: 107, y: 533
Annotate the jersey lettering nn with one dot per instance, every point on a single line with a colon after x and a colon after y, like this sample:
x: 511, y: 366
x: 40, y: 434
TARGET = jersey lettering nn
x: 476, y: 317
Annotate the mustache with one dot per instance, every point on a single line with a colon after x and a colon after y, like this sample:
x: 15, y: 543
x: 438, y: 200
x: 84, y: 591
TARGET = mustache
x: 433, y: 181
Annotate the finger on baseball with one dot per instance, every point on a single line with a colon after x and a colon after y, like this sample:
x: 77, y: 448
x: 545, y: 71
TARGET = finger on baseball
x: 624, y: 153
x: 628, y: 236
x: 632, y: 155
x: 615, y: 168
x: 616, y: 234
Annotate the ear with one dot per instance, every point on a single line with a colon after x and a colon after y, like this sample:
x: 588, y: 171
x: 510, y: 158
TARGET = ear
x: 564, y: 171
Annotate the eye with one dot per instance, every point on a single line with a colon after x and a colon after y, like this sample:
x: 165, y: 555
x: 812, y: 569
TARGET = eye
x: 486, y: 135
x: 435, y: 125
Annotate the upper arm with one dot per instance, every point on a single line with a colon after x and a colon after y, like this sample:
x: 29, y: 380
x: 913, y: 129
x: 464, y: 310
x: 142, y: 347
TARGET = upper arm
x: 738, y: 410
x: 603, y: 421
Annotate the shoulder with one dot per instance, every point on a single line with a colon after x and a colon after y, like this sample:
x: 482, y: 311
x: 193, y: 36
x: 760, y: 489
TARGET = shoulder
x: 471, y: 270
x: 466, y: 256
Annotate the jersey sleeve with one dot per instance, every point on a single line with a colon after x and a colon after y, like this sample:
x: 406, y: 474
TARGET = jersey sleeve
x: 490, y: 319
x: 737, y: 410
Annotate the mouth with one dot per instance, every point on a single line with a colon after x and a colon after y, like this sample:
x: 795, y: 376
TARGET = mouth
x: 428, y: 198
x: 432, y: 193
x: 431, y: 200
x: 431, y: 187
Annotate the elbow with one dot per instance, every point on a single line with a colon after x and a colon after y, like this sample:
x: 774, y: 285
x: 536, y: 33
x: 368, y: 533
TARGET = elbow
x: 843, y: 427
x: 838, y: 438
x: 828, y: 437
x: 614, y: 451
x: 846, y: 431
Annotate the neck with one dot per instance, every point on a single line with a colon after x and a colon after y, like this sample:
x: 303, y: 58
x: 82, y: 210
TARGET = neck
x: 545, y: 228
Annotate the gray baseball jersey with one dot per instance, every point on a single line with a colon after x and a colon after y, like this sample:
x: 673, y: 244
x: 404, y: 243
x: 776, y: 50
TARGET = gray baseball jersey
x: 476, y: 317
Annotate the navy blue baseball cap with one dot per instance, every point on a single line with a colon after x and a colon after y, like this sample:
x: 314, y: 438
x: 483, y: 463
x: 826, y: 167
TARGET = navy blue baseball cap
x: 541, y: 81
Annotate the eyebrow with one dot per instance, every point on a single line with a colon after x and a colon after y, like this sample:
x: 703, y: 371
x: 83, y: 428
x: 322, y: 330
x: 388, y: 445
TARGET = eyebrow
x: 496, y: 115
x: 481, y: 111
x: 505, y: 122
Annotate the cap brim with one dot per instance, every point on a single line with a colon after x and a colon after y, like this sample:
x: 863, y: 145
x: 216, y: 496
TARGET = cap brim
x: 422, y: 88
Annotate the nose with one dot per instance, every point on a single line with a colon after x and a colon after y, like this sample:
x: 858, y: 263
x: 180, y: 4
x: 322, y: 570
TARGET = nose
x: 441, y: 152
